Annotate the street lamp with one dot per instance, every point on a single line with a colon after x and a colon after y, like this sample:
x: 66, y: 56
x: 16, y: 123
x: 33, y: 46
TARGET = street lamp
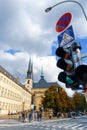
x: 49, y: 8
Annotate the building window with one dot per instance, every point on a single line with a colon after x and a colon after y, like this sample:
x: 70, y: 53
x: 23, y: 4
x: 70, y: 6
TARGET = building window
x: 28, y: 82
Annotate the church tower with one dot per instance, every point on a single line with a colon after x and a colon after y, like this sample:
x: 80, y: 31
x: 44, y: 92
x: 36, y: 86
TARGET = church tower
x: 29, y: 78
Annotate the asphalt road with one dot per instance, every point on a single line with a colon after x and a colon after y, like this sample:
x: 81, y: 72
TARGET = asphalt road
x: 79, y: 123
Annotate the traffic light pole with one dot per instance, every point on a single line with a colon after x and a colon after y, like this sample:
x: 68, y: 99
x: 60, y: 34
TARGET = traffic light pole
x: 84, y: 55
x: 79, y: 57
x: 76, y: 48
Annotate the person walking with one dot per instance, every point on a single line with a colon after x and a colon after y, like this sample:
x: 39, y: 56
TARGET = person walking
x: 30, y: 116
x: 40, y: 116
x: 23, y: 117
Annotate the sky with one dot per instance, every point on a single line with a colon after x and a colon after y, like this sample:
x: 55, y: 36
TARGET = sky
x: 26, y: 30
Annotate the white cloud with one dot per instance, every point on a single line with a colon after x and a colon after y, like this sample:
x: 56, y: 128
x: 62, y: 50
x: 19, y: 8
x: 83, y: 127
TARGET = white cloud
x: 25, y: 26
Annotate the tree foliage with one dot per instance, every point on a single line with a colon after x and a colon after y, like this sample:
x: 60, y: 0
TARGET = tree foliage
x: 79, y: 101
x: 60, y: 101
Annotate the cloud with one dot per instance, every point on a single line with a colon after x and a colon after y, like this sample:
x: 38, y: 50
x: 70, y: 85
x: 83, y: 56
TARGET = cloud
x: 27, y: 31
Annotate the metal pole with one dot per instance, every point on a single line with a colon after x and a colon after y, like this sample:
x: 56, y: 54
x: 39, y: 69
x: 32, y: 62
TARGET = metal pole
x: 84, y: 55
x: 78, y: 56
x: 49, y: 8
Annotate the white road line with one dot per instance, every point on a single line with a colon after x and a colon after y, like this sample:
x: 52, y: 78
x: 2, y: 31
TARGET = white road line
x: 79, y: 125
x: 83, y: 128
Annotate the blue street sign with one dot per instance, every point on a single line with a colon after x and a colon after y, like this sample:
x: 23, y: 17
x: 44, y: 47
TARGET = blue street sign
x: 66, y: 37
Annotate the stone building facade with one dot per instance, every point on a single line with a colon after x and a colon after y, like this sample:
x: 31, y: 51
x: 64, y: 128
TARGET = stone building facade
x: 15, y: 97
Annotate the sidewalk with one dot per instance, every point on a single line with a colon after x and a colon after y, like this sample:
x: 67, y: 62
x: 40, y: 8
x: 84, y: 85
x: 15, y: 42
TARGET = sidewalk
x: 14, y: 122
x: 9, y: 116
x: 44, y: 120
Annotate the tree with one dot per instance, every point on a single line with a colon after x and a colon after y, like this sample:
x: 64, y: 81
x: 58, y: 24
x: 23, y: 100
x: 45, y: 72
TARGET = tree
x: 79, y: 102
x: 58, y: 101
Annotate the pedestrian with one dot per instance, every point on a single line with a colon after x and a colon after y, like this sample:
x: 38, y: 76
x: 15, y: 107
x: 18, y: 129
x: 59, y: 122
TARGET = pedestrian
x: 35, y: 116
x: 40, y: 116
x: 23, y: 117
x: 30, y: 116
x: 19, y: 116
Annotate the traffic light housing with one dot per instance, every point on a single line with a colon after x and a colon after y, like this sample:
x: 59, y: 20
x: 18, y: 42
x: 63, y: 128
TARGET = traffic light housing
x: 81, y: 72
x: 70, y: 80
x: 66, y: 62
x: 63, y: 77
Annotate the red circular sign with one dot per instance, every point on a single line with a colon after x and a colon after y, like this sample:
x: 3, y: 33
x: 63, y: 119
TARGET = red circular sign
x: 63, y: 22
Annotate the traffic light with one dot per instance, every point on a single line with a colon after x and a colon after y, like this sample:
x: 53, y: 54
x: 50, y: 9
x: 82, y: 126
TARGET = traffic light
x: 66, y: 63
x: 81, y: 72
x: 70, y: 80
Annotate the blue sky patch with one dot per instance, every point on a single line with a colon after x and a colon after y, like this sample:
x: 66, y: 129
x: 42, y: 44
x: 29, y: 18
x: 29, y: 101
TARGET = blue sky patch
x: 54, y: 47
x: 12, y: 51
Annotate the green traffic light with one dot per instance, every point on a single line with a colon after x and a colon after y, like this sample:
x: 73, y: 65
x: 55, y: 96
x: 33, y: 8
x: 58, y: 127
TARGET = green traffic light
x: 69, y: 80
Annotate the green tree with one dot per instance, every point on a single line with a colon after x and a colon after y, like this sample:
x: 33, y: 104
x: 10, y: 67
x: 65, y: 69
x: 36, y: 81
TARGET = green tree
x: 79, y: 102
x: 58, y: 101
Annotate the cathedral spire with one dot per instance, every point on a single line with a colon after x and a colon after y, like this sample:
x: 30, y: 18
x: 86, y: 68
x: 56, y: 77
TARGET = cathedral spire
x: 42, y: 74
x: 30, y: 69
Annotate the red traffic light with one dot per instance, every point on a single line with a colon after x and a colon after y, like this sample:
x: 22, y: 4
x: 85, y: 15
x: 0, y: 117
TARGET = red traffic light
x: 63, y: 52
x: 65, y: 62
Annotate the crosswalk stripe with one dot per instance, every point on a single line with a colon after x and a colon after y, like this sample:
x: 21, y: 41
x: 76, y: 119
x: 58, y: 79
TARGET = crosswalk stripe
x: 74, y: 126
x: 83, y: 128
x: 67, y: 125
x: 77, y: 124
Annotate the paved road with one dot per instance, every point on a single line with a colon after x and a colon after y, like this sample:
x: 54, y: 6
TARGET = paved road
x: 60, y: 124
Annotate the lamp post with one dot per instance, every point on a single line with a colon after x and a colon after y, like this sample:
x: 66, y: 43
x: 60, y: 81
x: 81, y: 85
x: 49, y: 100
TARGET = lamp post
x: 49, y: 8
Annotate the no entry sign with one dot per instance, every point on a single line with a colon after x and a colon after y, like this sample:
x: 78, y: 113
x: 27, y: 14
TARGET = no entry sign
x: 63, y: 22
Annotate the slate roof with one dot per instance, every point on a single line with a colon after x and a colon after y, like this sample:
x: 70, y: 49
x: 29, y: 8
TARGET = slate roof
x: 10, y: 76
x: 42, y: 83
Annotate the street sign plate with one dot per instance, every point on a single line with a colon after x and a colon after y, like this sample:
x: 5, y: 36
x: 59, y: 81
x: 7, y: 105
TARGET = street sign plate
x: 66, y: 37
x: 63, y: 22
